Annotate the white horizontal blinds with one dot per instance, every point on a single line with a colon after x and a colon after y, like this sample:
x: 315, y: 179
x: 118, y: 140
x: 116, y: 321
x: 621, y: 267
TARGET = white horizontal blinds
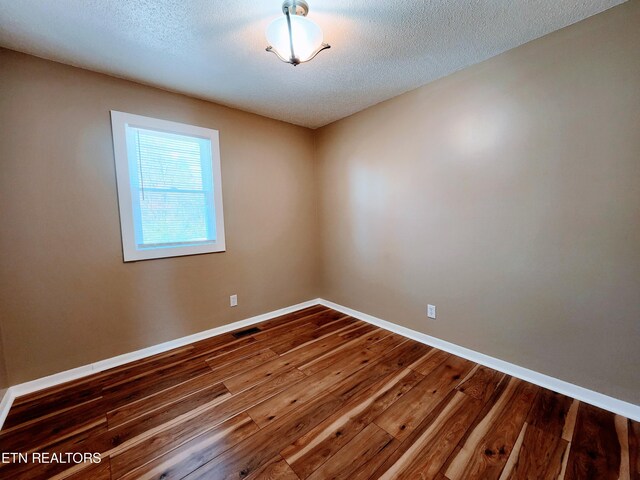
x: 172, y: 188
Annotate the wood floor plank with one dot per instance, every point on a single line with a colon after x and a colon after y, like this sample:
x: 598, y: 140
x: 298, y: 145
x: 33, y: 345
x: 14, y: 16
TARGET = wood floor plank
x: 550, y: 412
x: 358, y: 330
x: 286, y: 332
x: 274, y: 469
x: 154, y: 362
x: 329, y: 316
x: 253, y: 453
x: 150, y: 403
x: 140, y: 386
x: 423, y: 453
x: 570, y: 421
x: 92, y: 440
x: 318, y: 333
x: 486, y: 450
x: 238, y: 348
x: 595, y: 448
x: 350, y: 348
x: 482, y: 383
x: 540, y: 455
x: 54, y: 428
x: 313, y: 350
x: 392, y: 360
x: 310, y: 451
x: 297, y: 336
x: 292, y: 318
x: 486, y: 409
x: 321, y: 382
x: 239, y: 362
x: 97, y: 471
x: 314, y: 347
x: 431, y: 361
x: 342, y: 366
x: 173, y: 430
x: 227, y: 352
x: 213, y: 343
x: 406, y: 414
x: 623, y: 439
x: 634, y: 449
x: 69, y: 393
x: 515, y: 454
x: 326, y: 317
x: 280, y: 323
x: 268, y: 411
x: 202, y: 399
x: 28, y: 409
x: 258, y: 374
x: 367, y: 470
x: 320, y: 345
x: 189, y: 456
x: 367, y: 446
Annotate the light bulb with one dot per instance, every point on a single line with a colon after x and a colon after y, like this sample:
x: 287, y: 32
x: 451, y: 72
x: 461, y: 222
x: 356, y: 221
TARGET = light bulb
x: 306, y: 35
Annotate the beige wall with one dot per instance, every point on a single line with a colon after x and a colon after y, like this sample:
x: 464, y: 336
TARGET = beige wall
x: 67, y: 297
x: 4, y: 380
x: 508, y: 195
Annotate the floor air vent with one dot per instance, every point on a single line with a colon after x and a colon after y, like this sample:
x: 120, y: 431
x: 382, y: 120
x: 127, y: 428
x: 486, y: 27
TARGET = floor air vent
x: 248, y: 331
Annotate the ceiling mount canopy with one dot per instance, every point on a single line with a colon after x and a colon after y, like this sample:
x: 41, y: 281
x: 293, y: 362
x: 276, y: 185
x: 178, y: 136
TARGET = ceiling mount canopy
x: 294, y: 38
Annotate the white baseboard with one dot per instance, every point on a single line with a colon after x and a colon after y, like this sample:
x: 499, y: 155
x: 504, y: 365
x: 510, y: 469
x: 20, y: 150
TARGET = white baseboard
x: 5, y: 405
x: 591, y: 397
x: 56, y: 379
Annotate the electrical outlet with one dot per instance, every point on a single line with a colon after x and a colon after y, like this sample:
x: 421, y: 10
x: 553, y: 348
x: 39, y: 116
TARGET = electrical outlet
x: 233, y: 300
x: 431, y: 311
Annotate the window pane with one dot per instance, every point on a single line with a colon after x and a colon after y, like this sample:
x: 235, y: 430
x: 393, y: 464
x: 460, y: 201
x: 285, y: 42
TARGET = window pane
x: 169, y: 161
x: 173, y: 217
x: 171, y: 175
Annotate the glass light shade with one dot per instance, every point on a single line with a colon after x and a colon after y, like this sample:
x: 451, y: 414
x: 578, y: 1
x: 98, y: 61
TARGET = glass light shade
x: 307, y: 37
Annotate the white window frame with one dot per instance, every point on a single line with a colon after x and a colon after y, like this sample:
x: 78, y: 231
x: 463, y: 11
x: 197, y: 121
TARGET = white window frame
x: 119, y: 123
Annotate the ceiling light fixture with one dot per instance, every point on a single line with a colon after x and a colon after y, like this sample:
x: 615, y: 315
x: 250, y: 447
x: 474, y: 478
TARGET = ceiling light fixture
x: 294, y: 38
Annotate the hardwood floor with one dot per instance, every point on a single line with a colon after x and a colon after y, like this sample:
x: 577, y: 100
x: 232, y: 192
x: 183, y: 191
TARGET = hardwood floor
x: 315, y: 395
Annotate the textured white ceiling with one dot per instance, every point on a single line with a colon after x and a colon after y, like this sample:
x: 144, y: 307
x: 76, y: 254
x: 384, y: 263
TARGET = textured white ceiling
x: 214, y: 49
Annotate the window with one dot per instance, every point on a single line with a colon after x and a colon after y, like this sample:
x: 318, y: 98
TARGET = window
x: 169, y: 187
